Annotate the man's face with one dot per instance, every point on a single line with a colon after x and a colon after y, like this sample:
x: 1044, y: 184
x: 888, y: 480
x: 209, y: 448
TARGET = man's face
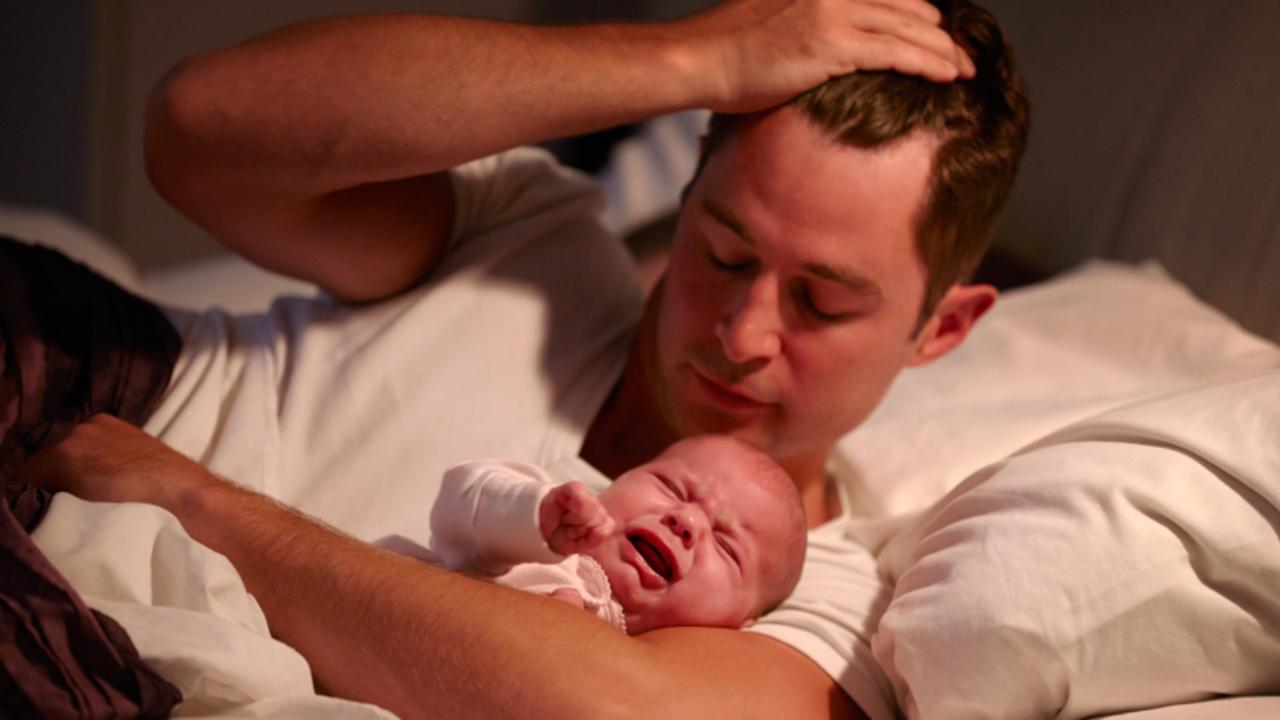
x: 702, y: 534
x: 793, y: 288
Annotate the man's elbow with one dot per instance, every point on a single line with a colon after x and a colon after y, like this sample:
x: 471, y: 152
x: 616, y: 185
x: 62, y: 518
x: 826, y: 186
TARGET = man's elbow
x: 177, y: 113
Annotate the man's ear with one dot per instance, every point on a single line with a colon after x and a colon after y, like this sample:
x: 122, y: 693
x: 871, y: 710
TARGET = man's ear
x: 951, y: 321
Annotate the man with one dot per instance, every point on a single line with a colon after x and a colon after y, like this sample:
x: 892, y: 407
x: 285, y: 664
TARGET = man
x: 814, y: 258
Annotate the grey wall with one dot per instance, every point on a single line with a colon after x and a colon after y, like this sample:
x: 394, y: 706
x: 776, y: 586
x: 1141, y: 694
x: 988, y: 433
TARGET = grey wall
x: 44, y: 103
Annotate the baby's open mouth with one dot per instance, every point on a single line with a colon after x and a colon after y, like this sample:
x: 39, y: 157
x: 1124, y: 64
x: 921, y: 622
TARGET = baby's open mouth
x: 654, y: 556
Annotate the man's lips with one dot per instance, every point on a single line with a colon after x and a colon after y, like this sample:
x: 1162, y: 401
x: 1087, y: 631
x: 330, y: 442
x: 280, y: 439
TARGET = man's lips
x: 725, y: 394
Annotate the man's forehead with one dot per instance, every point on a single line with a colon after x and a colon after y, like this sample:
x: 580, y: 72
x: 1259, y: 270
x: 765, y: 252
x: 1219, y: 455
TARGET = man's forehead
x: 780, y: 179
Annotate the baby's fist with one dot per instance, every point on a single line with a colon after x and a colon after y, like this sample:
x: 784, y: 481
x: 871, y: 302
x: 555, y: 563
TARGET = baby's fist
x: 572, y: 519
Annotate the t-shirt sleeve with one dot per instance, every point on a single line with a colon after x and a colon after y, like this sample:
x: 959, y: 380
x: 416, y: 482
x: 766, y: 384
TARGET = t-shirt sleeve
x: 485, y: 519
x: 525, y: 185
x: 832, y: 615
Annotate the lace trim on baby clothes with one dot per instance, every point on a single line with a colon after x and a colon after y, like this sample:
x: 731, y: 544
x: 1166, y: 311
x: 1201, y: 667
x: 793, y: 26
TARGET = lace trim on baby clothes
x: 600, y: 592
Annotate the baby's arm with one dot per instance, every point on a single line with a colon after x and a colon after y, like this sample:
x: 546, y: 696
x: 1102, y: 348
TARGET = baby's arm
x: 572, y: 519
x: 487, y: 517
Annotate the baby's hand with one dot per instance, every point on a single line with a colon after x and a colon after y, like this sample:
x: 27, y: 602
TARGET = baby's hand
x: 572, y: 519
x: 570, y: 596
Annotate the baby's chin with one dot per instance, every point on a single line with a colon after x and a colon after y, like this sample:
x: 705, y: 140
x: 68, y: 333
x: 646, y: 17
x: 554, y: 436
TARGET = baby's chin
x: 654, y: 618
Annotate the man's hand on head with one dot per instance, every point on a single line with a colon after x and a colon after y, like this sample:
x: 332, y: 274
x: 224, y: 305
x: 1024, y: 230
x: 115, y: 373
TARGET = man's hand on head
x: 107, y: 459
x: 769, y: 51
x: 572, y: 519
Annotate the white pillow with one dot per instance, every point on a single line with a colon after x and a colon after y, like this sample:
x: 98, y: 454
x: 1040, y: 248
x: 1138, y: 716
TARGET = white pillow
x: 225, y: 280
x: 1131, y: 560
x: 1045, y: 356
x: 48, y: 228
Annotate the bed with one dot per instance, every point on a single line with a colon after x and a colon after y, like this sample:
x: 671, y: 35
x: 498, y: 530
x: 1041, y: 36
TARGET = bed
x: 1140, y: 254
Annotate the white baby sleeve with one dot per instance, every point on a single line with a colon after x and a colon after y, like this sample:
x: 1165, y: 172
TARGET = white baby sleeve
x: 486, y: 517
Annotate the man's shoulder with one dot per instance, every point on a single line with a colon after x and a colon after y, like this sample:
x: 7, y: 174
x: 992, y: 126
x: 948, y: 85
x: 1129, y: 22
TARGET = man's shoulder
x: 523, y: 185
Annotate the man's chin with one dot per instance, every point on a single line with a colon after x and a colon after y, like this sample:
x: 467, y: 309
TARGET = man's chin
x: 709, y: 421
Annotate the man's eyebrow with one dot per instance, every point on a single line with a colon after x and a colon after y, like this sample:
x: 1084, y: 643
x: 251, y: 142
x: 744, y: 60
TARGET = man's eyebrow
x: 858, y: 282
x: 726, y: 217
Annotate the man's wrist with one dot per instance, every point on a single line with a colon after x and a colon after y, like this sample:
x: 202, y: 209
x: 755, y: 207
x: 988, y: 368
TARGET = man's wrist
x: 692, y: 63
x: 674, y: 59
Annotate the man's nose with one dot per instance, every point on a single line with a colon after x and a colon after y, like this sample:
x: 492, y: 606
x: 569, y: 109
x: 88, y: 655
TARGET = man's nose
x: 685, y: 523
x: 751, y: 329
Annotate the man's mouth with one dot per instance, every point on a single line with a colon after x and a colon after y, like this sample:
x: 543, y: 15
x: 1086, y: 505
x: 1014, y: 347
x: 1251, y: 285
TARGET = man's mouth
x: 726, y: 394
x: 654, y: 555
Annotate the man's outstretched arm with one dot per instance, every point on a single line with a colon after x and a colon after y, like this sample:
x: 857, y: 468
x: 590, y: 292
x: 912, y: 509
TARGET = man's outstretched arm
x: 424, y: 642
x: 318, y: 150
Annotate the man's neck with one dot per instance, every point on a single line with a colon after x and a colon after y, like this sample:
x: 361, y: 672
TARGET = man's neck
x: 628, y: 431
x: 817, y: 488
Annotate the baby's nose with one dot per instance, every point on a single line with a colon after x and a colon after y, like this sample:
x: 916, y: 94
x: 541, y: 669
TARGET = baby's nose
x: 682, y: 524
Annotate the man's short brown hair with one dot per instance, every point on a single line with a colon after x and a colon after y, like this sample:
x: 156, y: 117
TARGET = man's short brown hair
x: 981, y: 125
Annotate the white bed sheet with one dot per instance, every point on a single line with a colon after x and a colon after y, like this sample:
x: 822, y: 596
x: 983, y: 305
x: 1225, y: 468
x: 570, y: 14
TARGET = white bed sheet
x: 1240, y: 708
x: 186, y: 611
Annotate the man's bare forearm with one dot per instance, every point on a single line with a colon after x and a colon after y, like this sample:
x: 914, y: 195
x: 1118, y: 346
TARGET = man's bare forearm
x: 346, y: 101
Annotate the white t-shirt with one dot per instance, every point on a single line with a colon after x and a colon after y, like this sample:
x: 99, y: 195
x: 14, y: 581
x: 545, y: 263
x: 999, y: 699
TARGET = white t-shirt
x: 509, y: 349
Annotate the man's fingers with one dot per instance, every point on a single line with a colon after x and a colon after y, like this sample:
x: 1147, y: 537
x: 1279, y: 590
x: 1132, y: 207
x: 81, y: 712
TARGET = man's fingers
x: 881, y: 52
x: 891, y: 36
x: 55, y: 465
x: 920, y: 8
x: 934, y: 36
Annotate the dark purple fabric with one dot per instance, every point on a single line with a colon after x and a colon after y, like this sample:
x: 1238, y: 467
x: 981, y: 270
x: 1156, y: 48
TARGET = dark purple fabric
x: 72, y: 344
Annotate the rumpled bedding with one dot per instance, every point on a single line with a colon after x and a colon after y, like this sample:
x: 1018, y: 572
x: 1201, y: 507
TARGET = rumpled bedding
x: 187, y: 611
x: 1128, y: 561
x: 72, y: 344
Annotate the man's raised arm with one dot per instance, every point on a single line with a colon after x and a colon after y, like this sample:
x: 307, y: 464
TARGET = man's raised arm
x: 318, y: 150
